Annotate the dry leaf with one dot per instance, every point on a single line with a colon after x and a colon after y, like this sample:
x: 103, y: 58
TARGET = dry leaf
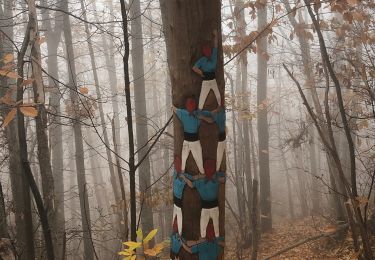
x: 27, y: 82
x: 41, y: 40
x: 84, y: 90
x: 29, y: 111
x: 9, y: 117
x: 352, y: 2
x: 9, y: 74
x: 8, y: 58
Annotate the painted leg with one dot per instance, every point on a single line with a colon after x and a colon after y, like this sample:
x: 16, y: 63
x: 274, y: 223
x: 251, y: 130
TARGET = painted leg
x: 196, y: 150
x: 177, y: 212
x: 205, y: 218
x: 185, y: 154
x: 220, y: 153
x: 214, y: 214
x: 216, y: 91
x: 205, y: 89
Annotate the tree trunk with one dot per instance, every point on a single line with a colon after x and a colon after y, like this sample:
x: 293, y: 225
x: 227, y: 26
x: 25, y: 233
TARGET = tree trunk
x: 21, y: 200
x: 41, y: 122
x: 184, y: 34
x: 3, y: 216
x: 53, y: 36
x: 337, y: 201
x: 263, y: 135
x: 77, y: 129
x: 144, y: 173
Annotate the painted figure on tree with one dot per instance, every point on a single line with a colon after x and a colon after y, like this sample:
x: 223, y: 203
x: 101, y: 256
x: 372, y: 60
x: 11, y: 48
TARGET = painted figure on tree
x: 191, y: 119
x: 208, y: 189
x: 208, y: 248
x: 206, y: 67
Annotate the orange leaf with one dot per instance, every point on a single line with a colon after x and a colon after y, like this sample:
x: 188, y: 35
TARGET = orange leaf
x: 8, y: 58
x: 41, y: 39
x: 27, y: 82
x: 6, y: 99
x: 9, y: 117
x: 352, y: 2
x: 9, y: 74
x: 84, y: 90
x: 29, y: 111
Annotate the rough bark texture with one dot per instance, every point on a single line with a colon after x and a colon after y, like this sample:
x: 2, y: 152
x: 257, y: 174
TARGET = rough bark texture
x: 22, y: 203
x: 263, y: 135
x: 79, y: 152
x: 185, y: 34
x: 53, y: 37
x: 144, y: 174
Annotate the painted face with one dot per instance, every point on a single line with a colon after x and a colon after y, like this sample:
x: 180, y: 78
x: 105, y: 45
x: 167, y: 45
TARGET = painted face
x: 191, y: 105
x: 206, y: 51
x: 209, y: 168
x: 177, y: 164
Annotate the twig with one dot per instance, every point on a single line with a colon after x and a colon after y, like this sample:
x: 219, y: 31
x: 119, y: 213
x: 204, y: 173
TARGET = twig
x: 306, y: 240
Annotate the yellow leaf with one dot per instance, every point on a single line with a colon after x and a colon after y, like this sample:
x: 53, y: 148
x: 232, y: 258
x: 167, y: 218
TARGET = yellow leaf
x: 8, y: 58
x: 133, y: 257
x: 27, y: 82
x: 150, y: 235
x: 9, y: 74
x: 29, y: 111
x: 139, y: 234
x: 132, y: 245
x: 9, y: 117
x: 84, y: 90
x: 126, y: 253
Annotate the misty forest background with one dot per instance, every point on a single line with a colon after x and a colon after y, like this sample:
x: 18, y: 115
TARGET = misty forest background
x: 86, y: 130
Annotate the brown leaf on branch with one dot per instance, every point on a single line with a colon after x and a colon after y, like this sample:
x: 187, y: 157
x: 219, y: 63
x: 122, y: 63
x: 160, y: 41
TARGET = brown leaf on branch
x: 9, y: 117
x: 29, y: 111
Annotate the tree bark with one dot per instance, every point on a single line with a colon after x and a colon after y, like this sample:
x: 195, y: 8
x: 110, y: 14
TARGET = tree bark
x: 21, y: 200
x: 263, y: 135
x: 53, y: 37
x: 144, y: 174
x: 184, y: 34
x: 77, y: 129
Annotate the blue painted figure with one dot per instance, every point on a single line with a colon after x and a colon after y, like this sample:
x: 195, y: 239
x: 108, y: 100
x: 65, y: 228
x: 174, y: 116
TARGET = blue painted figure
x: 206, y: 67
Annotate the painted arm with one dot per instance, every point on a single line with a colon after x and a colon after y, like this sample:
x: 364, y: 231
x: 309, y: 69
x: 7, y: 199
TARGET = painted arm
x: 188, y: 249
x: 214, y: 33
x: 188, y: 182
x: 207, y: 119
x: 198, y: 71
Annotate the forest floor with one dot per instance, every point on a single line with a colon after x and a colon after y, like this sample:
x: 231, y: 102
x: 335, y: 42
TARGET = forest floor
x: 287, y: 233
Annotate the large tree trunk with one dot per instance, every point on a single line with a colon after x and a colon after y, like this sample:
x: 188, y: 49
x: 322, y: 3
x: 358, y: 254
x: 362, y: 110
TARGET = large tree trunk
x: 183, y: 22
x: 241, y: 27
x: 144, y: 174
x: 77, y: 129
x: 263, y: 135
x: 19, y: 186
x: 53, y: 36
x: 337, y: 201
x: 41, y: 122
